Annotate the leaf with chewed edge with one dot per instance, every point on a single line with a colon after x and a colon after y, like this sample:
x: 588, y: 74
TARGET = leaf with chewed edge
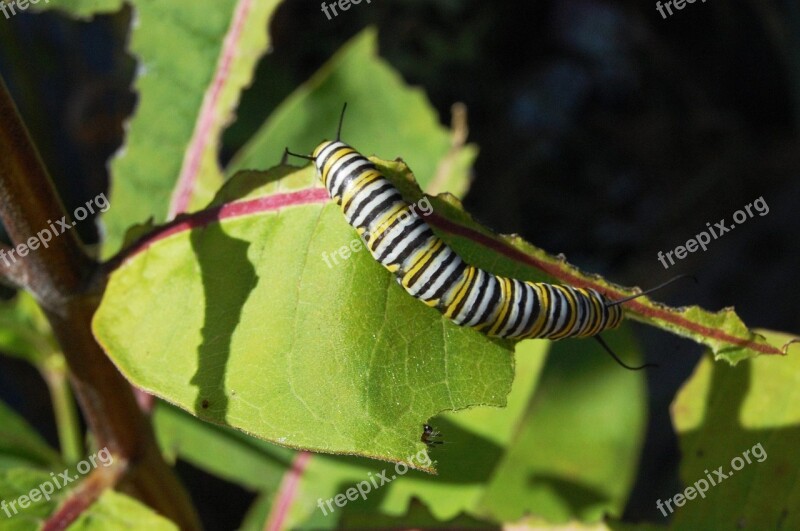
x: 265, y: 311
x: 262, y: 316
x: 474, y: 443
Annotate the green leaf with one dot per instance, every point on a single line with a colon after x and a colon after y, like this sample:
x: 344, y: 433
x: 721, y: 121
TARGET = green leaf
x: 185, y: 101
x: 384, y: 116
x: 118, y: 511
x: 569, y: 451
x: 20, y: 444
x: 453, y: 173
x: 475, y: 445
x: 221, y: 451
x: 723, y: 412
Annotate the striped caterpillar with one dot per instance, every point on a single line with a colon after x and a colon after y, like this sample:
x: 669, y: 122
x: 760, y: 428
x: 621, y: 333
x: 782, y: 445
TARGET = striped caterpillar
x: 430, y: 271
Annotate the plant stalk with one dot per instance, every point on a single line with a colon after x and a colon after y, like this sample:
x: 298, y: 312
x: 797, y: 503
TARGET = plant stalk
x: 68, y: 284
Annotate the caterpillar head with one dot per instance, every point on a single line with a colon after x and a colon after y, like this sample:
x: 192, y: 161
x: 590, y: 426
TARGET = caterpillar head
x: 325, y: 156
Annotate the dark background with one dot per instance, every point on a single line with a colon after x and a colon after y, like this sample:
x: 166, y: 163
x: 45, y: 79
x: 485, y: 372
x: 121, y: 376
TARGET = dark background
x: 607, y: 133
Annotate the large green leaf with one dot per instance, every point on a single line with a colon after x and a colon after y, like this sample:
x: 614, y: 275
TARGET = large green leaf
x: 262, y: 317
x: 722, y: 413
x: 185, y: 101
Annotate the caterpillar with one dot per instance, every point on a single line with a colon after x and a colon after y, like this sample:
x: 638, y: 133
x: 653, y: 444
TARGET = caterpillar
x: 432, y: 272
x: 429, y: 270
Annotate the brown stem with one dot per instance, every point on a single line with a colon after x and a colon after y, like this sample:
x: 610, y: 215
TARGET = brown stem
x: 114, y: 416
x: 28, y: 206
x: 68, y: 284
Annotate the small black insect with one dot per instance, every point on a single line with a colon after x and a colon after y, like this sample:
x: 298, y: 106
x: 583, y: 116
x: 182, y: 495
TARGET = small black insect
x: 430, y: 436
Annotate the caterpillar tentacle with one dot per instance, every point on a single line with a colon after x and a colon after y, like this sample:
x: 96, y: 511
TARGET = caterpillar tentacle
x: 428, y: 269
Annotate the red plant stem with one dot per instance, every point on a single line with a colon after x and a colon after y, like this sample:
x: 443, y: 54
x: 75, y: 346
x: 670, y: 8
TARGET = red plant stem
x: 209, y: 113
x: 287, y: 492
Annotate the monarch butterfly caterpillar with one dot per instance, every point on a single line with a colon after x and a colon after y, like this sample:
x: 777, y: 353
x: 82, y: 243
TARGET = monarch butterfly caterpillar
x: 428, y: 269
